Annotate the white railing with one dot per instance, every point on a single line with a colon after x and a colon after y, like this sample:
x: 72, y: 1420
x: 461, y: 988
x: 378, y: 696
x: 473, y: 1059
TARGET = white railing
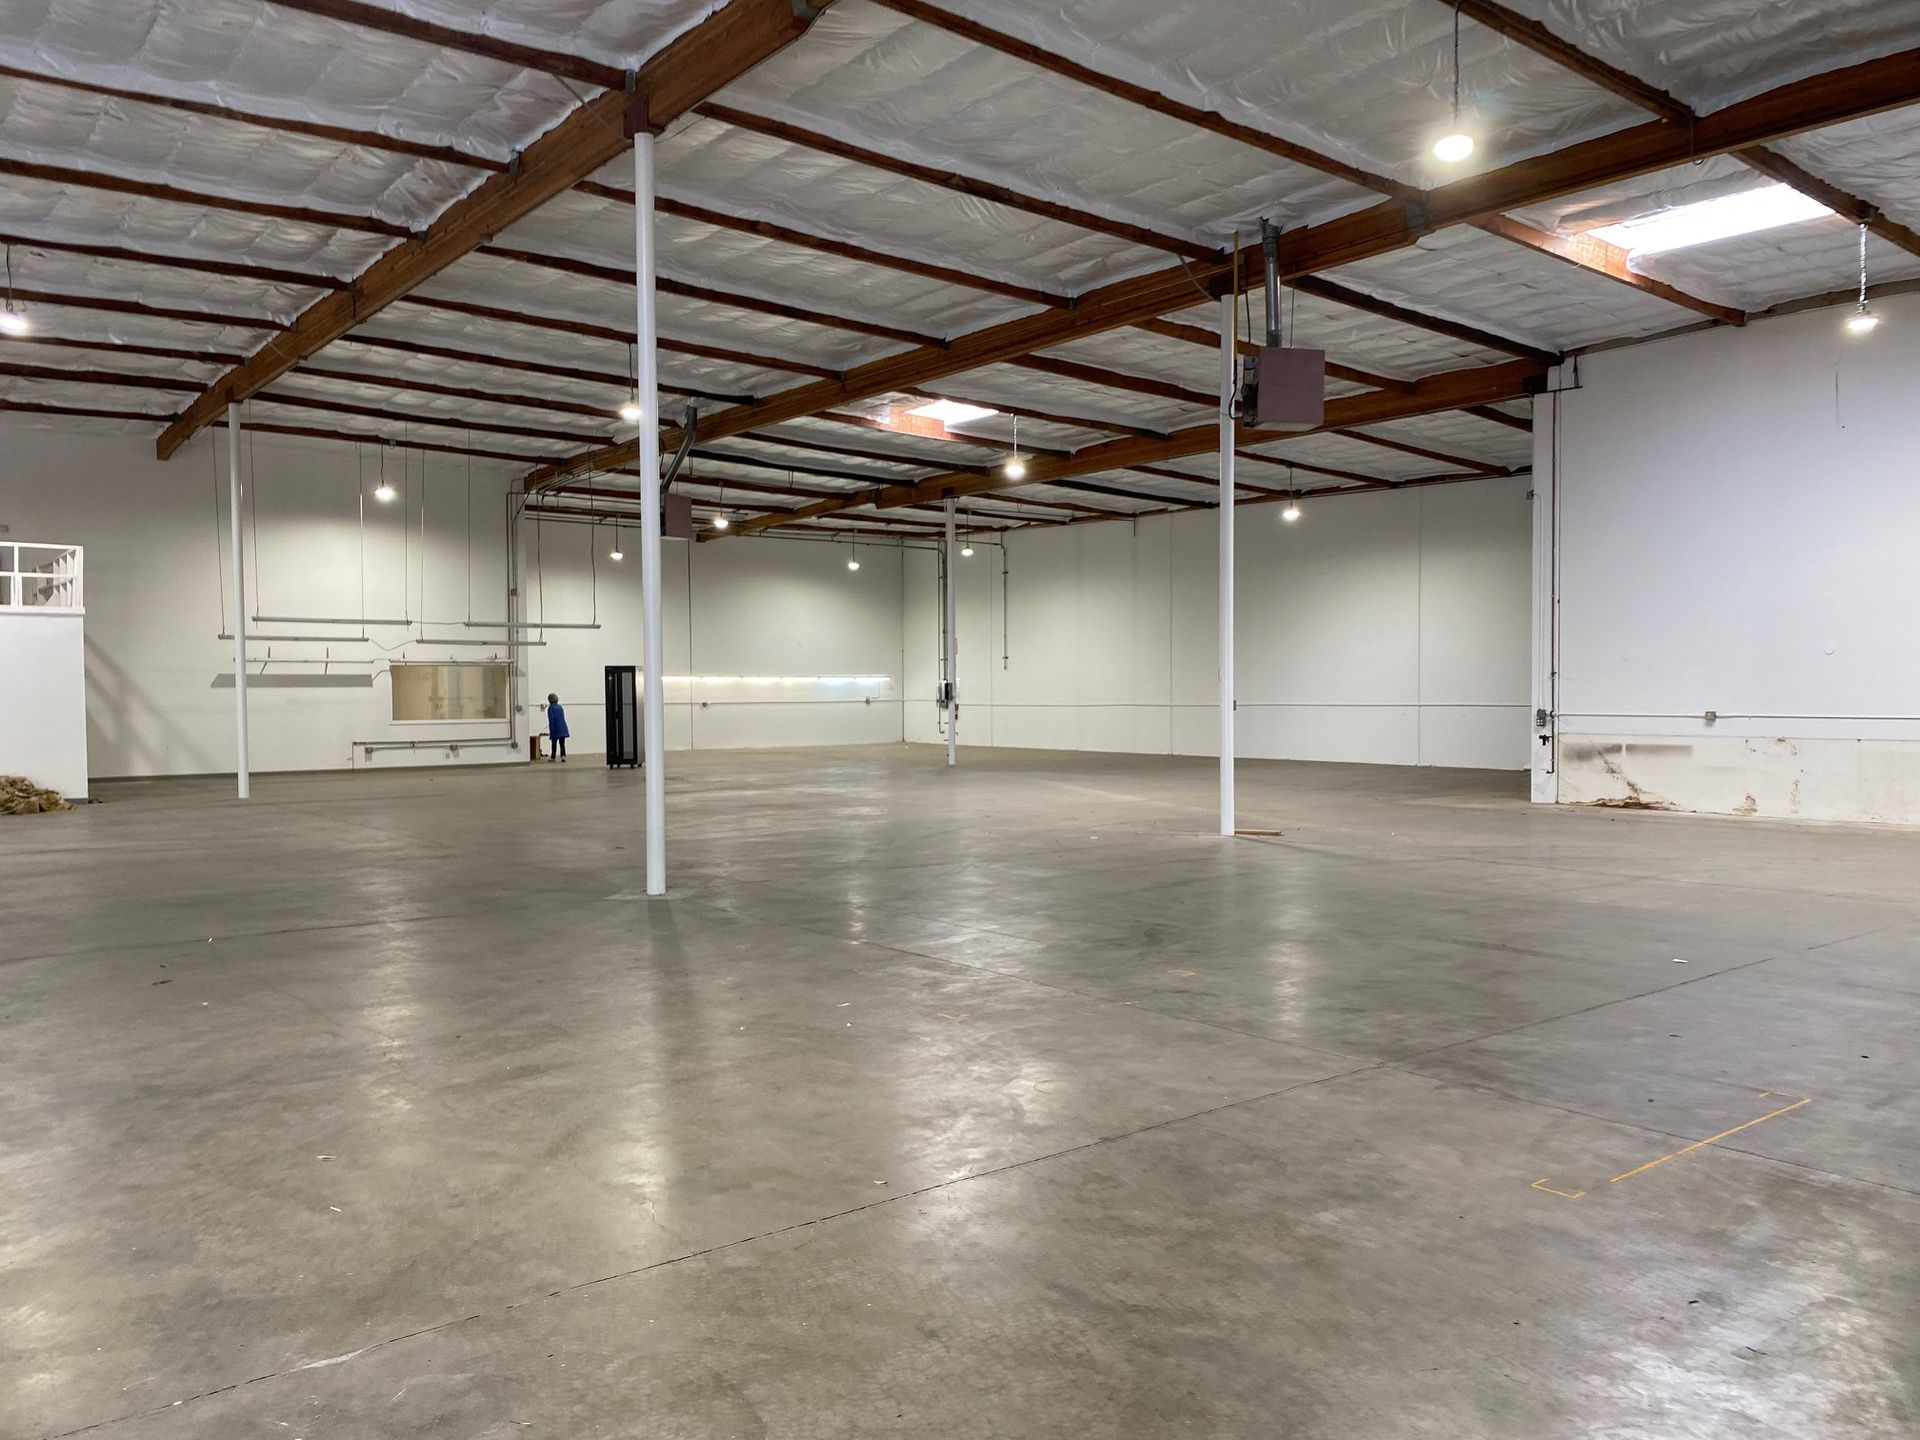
x: 43, y: 578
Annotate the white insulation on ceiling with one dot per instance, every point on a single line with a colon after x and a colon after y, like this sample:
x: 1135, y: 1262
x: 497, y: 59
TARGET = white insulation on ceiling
x: 837, y: 263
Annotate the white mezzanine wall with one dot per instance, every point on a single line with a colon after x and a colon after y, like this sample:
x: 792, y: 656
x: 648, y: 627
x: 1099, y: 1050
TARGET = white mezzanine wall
x: 1738, y: 511
x: 781, y: 644
x: 1386, y: 628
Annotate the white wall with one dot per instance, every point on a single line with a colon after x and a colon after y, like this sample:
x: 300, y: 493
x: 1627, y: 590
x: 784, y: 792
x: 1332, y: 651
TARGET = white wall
x: 768, y: 642
x: 43, y: 732
x: 159, y: 680
x: 1389, y: 628
x: 1738, y: 514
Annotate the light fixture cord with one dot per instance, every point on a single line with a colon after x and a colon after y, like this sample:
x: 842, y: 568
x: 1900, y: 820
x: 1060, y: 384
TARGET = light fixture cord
x: 9, y: 278
x: 1456, y: 64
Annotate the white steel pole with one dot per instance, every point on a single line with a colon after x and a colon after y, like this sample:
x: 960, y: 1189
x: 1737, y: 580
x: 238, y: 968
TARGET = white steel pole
x: 243, y: 765
x: 653, y: 702
x: 1229, y: 365
x: 948, y: 600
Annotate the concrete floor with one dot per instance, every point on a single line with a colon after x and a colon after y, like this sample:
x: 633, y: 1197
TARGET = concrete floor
x: 1001, y: 1103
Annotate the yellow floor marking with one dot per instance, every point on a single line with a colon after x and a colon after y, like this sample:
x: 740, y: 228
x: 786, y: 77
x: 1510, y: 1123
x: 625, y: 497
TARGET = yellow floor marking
x: 1688, y: 1150
x: 1541, y: 1184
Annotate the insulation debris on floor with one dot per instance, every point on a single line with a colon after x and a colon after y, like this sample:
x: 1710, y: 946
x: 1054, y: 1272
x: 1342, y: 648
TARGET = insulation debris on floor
x: 20, y: 796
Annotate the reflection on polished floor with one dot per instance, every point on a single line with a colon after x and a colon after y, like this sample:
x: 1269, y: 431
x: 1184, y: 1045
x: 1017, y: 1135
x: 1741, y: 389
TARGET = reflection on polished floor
x: 997, y: 1103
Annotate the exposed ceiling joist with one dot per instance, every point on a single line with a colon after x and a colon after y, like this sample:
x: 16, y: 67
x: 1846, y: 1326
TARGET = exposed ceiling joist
x: 205, y: 199
x: 1597, y: 257
x: 730, y: 299
x: 1498, y: 417
x: 1147, y: 99
x: 1474, y: 335
x: 953, y: 180
x: 235, y: 269
x: 470, y: 40
x: 501, y: 315
x: 1464, y: 462
x: 116, y: 305
x: 338, y: 134
x: 721, y: 48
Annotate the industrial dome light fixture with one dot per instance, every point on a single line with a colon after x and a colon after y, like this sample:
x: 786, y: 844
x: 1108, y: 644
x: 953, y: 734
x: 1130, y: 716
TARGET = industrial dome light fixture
x: 1016, y: 466
x: 853, y: 556
x: 1863, y: 321
x: 1292, y: 511
x: 12, y: 322
x: 1456, y: 145
x: 720, y: 522
x: 631, y: 411
x: 384, y: 491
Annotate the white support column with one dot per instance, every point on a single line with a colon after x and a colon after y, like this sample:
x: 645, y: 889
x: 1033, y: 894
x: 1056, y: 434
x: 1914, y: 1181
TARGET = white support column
x: 1545, y: 725
x: 1229, y: 367
x: 653, y: 654
x: 243, y: 766
x: 951, y: 608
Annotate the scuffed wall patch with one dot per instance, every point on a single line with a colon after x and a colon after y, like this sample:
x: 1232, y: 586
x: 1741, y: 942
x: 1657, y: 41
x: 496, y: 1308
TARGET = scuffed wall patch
x: 1772, y: 776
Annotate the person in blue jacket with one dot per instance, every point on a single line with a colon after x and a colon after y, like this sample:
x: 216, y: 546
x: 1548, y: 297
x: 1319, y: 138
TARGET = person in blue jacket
x: 556, y: 728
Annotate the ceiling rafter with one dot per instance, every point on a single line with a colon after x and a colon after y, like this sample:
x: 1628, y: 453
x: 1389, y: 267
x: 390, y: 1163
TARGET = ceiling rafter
x: 733, y: 300
x: 811, y: 139
x: 562, y: 325
x: 338, y: 134
x: 205, y: 199
x: 725, y: 45
x: 1210, y: 340
x: 470, y: 40
x: 1483, y: 467
x: 234, y: 269
x: 1597, y: 257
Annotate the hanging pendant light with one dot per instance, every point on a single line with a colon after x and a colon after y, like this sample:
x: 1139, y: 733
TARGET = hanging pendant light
x: 630, y: 411
x: 616, y: 553
x: 1863, y: 321
x: 1016, y: 466
x: 384, y: 491
x: 1456, y: 145
x: 720, y: 521
x: 853, y: 556
x: 12, y: 322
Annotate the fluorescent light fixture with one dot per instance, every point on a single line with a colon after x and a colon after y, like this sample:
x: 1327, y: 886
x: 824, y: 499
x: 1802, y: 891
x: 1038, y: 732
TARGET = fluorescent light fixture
x: 1747, y: 213
x: 952, y: 412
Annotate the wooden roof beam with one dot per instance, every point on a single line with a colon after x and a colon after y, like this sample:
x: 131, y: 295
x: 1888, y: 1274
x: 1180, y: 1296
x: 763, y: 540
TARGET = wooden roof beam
x: 1464, y: 462
x: 1825, y: 99
x: 724, y: 46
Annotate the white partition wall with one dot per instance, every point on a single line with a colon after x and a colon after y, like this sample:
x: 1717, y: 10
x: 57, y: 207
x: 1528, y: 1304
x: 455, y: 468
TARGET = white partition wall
x: 43, y: 692
x: 1739, y: 513
x: 1386, y: 628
